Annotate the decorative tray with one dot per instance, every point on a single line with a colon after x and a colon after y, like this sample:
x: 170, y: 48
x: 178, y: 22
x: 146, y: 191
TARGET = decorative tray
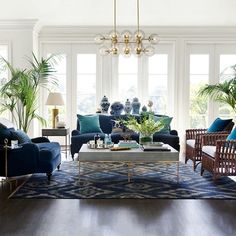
x: 100, y: 146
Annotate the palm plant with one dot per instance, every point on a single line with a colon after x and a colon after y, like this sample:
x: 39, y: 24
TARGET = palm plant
x: 19, y: 94
x: 224, y: 92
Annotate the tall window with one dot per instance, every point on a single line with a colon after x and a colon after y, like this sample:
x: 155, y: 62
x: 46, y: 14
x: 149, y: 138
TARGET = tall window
x: 157, y: 82
x: 3, y: 72
x: 127, y: 77
x: 86, y: 83
x: 199, y: 76
x: 226, y: 61
x: 60, y: 75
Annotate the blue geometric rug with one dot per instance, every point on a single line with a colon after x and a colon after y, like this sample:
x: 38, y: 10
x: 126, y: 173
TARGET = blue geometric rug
x: 110, y: 181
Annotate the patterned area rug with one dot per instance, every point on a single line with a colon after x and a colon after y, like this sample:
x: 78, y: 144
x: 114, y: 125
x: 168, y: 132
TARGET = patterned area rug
x: 110, y: 181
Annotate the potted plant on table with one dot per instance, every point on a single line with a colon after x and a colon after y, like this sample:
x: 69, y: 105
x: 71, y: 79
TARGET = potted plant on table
x: 146, y: 127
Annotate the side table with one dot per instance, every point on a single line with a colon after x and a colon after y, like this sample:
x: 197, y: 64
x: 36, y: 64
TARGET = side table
x: 58, y: 132
x: 5, y: 149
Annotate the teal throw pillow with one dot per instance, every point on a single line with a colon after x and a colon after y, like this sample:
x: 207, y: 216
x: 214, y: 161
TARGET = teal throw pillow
x: 21, y: 136
x: 232, y: 135
x: 166, y: 120
x: 89, y: 124
x: 218, y: 125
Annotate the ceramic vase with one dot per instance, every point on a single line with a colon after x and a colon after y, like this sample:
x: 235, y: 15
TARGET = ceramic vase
x: 135, y: 106
x: 128, y: 107
x: 105, y: 104
x: 116, y: 108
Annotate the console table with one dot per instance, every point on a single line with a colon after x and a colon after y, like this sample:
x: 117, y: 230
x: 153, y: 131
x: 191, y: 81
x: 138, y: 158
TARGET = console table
x: 65, y: 132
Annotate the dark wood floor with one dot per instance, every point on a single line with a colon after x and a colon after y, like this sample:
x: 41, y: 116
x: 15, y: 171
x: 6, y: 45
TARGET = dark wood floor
x: 44, y: 217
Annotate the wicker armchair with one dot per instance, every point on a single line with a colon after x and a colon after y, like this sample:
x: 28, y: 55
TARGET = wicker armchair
x: 194, y: 143
x: 218, y: 155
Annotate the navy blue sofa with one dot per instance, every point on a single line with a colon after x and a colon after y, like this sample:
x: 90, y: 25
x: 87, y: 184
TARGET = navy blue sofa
x: 77, y: 139
x: 38, y: 156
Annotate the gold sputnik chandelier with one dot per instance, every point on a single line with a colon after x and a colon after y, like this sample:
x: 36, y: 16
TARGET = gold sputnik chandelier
x: 127, y: 43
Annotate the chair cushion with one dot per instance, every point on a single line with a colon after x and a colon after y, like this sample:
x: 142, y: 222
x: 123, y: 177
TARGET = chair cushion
x: 21, y: 136
x: 89, y: 124
x: 218, y: 125
x: 232, y: 135
x: 191, y: 142
x: 210, y: 150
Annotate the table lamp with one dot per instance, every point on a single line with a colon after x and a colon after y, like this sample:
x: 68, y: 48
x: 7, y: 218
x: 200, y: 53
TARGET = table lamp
x: 54, y: 99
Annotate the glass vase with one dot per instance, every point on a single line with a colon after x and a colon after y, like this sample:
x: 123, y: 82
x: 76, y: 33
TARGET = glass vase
x: 145, y: 138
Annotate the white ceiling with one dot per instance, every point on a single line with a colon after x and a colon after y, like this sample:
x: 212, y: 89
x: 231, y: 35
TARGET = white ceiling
x: 99, y: 12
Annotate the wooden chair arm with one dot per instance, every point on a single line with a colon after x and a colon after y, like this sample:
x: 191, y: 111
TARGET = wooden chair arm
x: 211, y: 138
x: 226, y: 152
x: 191, y: 133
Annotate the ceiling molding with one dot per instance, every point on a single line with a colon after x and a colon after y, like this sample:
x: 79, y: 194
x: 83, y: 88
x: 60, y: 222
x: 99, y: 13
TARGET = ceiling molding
x: 18, y: 24
x: 86, y: 32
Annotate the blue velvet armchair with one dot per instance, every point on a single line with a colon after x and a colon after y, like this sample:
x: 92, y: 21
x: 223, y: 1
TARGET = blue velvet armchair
x: 39, y: 155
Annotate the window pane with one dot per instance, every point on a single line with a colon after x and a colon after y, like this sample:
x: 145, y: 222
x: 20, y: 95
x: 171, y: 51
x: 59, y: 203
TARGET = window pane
x: 3, y: 69
x: 225, y: 111
x: 86, y: 63
x: 128, y: 65
x: 60, y: 74
x: 4, y: 74
x: 199, y: 76
x: 86, y: 83
x: 226, y: 61
x: 199, y: 64
x: 158, y: 64
x: 157, y: 82
x: 127, y: 78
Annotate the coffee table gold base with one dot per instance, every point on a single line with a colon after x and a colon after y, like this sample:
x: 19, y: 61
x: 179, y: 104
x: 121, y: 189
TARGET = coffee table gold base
x: 130, y: 165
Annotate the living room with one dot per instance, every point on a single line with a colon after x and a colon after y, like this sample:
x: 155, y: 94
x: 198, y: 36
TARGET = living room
x: 196, y: 42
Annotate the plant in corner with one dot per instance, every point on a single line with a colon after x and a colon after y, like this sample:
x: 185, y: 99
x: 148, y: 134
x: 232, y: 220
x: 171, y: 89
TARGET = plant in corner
x: 19, y: 94
x: 146, y: 127
x: 224, y: 92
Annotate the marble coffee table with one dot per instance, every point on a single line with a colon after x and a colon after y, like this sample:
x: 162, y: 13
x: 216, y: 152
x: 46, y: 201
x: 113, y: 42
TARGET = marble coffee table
x: 130, y: 157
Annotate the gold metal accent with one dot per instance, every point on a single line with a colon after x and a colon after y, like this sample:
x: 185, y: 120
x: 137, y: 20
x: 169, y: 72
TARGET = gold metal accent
x: 126, y: 40
x: 55, y: 112
x: 129, y: 165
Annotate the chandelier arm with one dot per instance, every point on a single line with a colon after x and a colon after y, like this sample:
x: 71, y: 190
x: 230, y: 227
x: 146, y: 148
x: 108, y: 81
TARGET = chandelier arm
x: 114, y: 16
x: 138, y: 15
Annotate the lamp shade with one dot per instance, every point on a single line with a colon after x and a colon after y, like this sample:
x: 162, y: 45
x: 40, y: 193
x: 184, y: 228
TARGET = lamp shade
x: 55, y: 99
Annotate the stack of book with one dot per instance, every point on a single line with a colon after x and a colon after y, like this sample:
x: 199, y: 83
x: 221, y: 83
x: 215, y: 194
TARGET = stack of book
x: 128, y: 144
x: 157, y: 147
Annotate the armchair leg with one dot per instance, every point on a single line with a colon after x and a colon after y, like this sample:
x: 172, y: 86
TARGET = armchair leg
x: 49, y: 176
x: 202, y: 170
x: 58, y: 167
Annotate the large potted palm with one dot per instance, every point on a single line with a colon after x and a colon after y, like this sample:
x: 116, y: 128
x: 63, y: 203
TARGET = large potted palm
x: 224, y: 92
x: 19, y: 94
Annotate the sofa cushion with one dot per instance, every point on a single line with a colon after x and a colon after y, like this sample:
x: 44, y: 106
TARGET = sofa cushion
x: 232, y: 135
x: 218, y: 125
x: 21, y: 136
x: 89, y: 124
